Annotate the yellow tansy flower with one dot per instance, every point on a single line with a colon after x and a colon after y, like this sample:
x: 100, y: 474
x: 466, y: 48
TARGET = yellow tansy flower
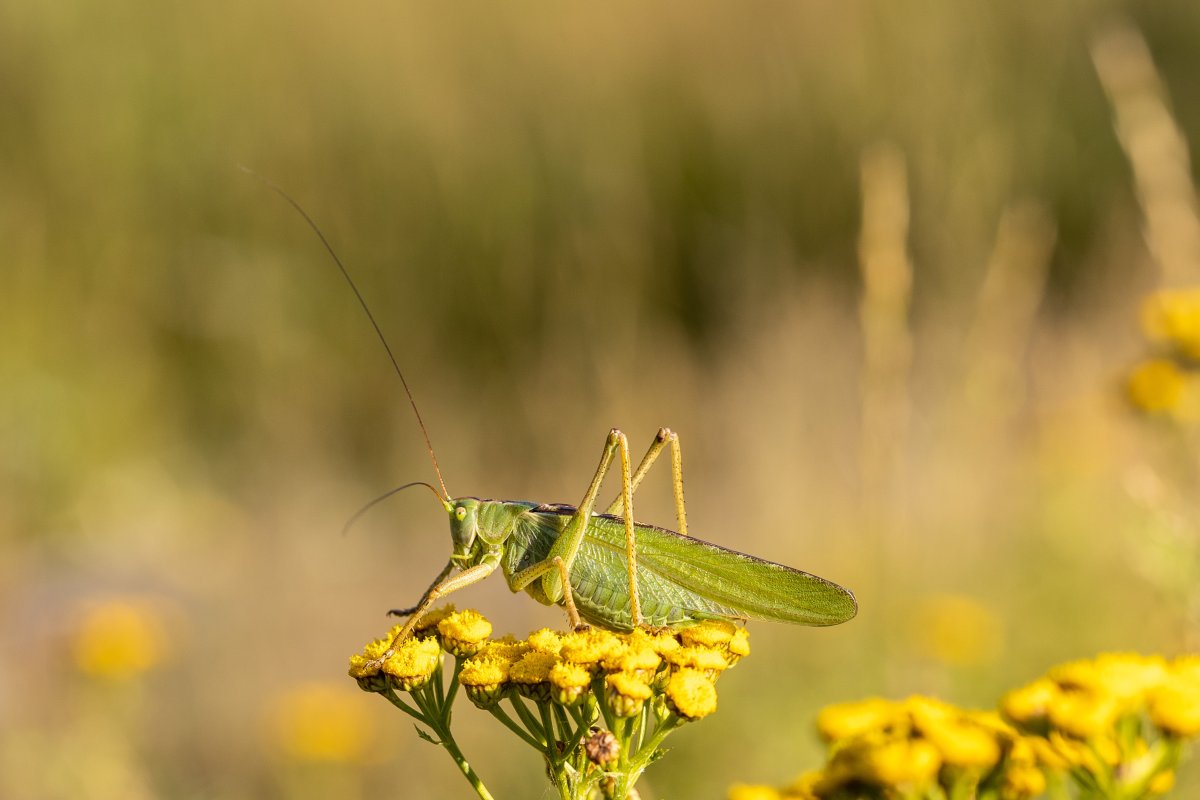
x: 569, y: 681
x: 713, y: 633
x: 545, y: 641
x: 691, y: 695
x: 531, y: 674
x: 710, y: 662
x: 639, y: 658
x: 588, y: 648
x: 464, y: 633
x: 739, y: 646
x: 413, y: 663
x: 426, y: 624
x: 484, y: 679
x: 626, y: 693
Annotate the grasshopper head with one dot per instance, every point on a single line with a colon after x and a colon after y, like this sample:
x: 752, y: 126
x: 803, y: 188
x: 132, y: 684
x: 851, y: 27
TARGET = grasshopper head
x: 464, y: 524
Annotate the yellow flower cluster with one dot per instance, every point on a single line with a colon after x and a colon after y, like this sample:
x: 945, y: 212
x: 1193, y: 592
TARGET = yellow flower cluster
x: 596, y: 705
x: 1114, y: 725
x: 624, y: 670
x: 1119, y: 718
x: 1168, y: 384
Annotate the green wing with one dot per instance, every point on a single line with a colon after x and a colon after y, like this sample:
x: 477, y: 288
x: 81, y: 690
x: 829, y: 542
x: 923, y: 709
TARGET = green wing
x: 682, y: 579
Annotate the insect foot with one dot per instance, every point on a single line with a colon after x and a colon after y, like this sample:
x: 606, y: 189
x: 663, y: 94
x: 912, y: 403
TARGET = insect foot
x: 595, y: 705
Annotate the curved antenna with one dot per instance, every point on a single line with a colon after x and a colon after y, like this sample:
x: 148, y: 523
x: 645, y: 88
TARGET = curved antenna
x: 358, y: 514
x: 445, y: 495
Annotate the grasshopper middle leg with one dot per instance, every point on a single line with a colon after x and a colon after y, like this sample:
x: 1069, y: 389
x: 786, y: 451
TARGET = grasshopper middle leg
x: 556, y: 582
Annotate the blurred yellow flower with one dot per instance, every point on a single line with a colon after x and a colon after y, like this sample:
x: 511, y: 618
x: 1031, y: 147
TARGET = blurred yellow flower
x: 843, y: 720
x: 1160, y: 386
x: 743, y: 791
x: 958, y: 630
x: 893, y: 762
x: 321, y: 723
x: 1174, y: 708
x: 120, y: 639
x: 1172, y: 316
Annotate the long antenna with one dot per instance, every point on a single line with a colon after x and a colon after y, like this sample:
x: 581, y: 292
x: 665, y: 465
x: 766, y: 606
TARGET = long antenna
x: 358, y: 514
x: 362, y: 302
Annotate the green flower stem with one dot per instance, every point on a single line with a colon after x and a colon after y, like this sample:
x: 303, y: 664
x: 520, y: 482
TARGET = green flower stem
x: 438, y: 719
x: 508, y: 722
x: 1164, y: 755
x: 531, y: 724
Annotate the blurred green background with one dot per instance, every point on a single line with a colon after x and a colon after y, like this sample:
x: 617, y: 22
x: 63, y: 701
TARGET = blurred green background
x: 566, y: 218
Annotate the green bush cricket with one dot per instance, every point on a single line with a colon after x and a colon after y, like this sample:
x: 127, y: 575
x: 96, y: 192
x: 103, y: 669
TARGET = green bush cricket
x: 606, y: 568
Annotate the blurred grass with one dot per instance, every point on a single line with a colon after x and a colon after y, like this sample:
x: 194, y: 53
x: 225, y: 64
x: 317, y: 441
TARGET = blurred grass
x: 566, y: 218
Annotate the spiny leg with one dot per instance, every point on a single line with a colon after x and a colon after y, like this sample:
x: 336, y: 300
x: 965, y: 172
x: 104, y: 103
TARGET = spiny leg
x: 408, y: 612
x: 441, y: 589
x: 664, y: 436
x: 554, y: 563
x: 566, y: 546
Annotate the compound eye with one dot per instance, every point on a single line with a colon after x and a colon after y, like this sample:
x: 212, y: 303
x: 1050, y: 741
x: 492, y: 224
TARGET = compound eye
x: 460, y: 513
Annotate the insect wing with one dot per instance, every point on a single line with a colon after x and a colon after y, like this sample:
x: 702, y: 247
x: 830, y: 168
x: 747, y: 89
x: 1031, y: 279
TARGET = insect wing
x: 753, y: 586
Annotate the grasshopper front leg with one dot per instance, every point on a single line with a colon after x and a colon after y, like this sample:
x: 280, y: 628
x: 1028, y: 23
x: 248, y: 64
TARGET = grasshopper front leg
x: 408, y: 612
x: 432, y: 595
x: 556, y: 581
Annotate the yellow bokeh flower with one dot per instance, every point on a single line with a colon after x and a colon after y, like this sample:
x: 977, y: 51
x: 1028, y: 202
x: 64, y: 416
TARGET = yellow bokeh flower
x: 1083, y: 714
x: 1172, y: 316
x: 691, y: 694
x: 120, y: 638
x: 1160, y: 386
x: 318, y: 722
x: 886, y: 760
x: 743, y: 791
x: 844, y: 720
x: 1162, y: 783
x: 1174, y: 707
x: 958, y: 630
x: 1031, y: 703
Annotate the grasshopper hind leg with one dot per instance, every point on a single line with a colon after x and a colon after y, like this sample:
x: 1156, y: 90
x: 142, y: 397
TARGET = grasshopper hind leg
x: 664, y: 437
